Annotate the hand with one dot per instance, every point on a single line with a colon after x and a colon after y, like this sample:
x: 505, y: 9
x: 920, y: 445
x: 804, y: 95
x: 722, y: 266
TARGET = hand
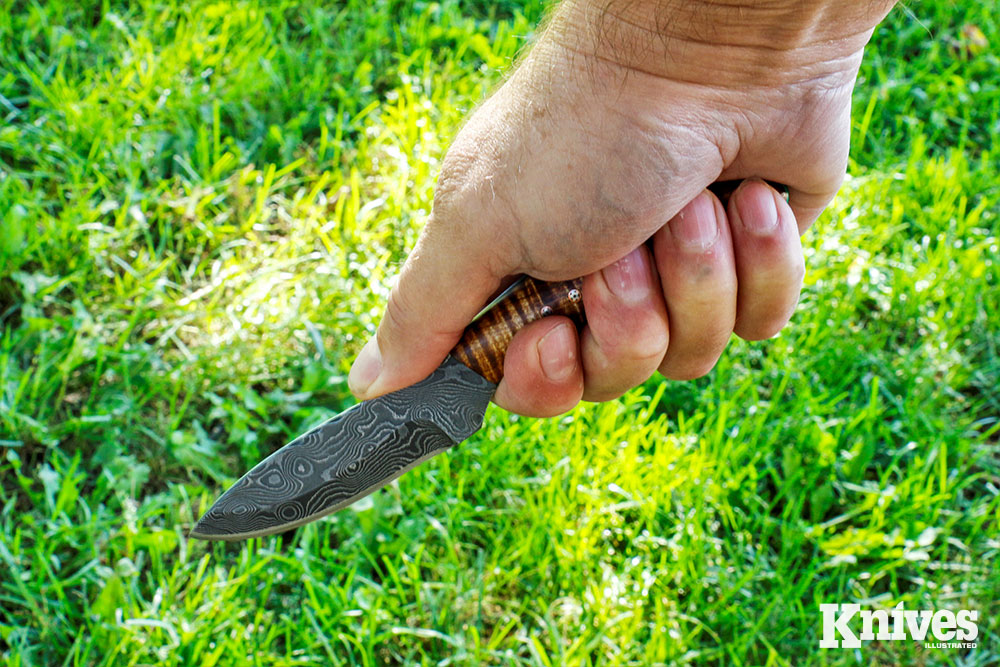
x: 606, y: 136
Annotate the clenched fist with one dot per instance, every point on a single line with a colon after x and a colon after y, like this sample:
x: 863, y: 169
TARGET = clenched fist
x: 593, y: 160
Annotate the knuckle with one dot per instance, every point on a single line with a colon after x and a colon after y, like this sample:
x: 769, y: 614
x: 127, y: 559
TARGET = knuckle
x: 761, y: 328
x: 691, y: 369
x: 798, y: 269
x: 635, y: 345
x: 651, y: 345
x: 400, y: 313
x: 451, y: 182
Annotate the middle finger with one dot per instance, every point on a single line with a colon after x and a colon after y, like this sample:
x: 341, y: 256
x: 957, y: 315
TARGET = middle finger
x: 695, y: 260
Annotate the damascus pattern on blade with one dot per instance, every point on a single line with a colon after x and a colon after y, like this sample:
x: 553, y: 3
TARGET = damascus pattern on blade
x: 351, y: 455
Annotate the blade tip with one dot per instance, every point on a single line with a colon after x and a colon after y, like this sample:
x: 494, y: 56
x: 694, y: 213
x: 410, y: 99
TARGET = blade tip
x: 199, y: 533
x: 202, y: 531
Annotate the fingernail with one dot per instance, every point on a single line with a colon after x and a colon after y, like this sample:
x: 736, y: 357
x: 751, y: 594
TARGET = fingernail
x: 557, y: 353
x: 628, y: 278
x: 697, y: 226
x: 755, y: 208
x: 366, y: 369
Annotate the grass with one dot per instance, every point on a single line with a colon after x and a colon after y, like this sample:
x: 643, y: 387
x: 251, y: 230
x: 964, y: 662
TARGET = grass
x: 202, y: 204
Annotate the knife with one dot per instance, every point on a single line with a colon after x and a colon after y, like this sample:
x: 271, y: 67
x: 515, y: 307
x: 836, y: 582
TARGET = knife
x: 372, y: 443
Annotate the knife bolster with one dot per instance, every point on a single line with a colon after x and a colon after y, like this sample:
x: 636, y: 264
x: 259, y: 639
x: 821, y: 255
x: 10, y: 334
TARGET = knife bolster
x: 485, y: 341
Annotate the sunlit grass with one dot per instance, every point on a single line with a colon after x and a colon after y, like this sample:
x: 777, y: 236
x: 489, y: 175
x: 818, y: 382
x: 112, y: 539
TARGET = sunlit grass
x: 185, y: 278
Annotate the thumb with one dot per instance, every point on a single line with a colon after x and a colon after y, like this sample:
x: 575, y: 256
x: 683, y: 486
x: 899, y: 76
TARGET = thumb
x: 444, y: 283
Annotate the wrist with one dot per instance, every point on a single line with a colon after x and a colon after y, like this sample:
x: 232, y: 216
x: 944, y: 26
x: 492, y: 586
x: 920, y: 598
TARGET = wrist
x: 721, y: 43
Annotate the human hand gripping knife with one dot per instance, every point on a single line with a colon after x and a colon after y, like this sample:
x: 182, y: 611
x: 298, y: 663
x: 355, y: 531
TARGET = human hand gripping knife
x: 372, y: 443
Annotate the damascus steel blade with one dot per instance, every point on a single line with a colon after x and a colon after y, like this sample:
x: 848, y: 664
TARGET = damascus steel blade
x: 357, y: 452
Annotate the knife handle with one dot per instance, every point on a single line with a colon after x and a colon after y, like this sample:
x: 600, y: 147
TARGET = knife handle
x: 484, y: 343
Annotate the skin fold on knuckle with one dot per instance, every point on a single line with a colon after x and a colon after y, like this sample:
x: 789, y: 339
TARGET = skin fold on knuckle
x: 766, y: 320
x: 697, y: 354
x: 763, y: 328
x: 622, y: 369
x: 399, y: 318
x: 608, y: 377
x: 695, y: 350
x: 632, y: 339
x: 796, y: 268
x: 521, y: 403
x: 604, y: 394
x: 453, y: 183
x: 688, y: 369
x: 533, y: 401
